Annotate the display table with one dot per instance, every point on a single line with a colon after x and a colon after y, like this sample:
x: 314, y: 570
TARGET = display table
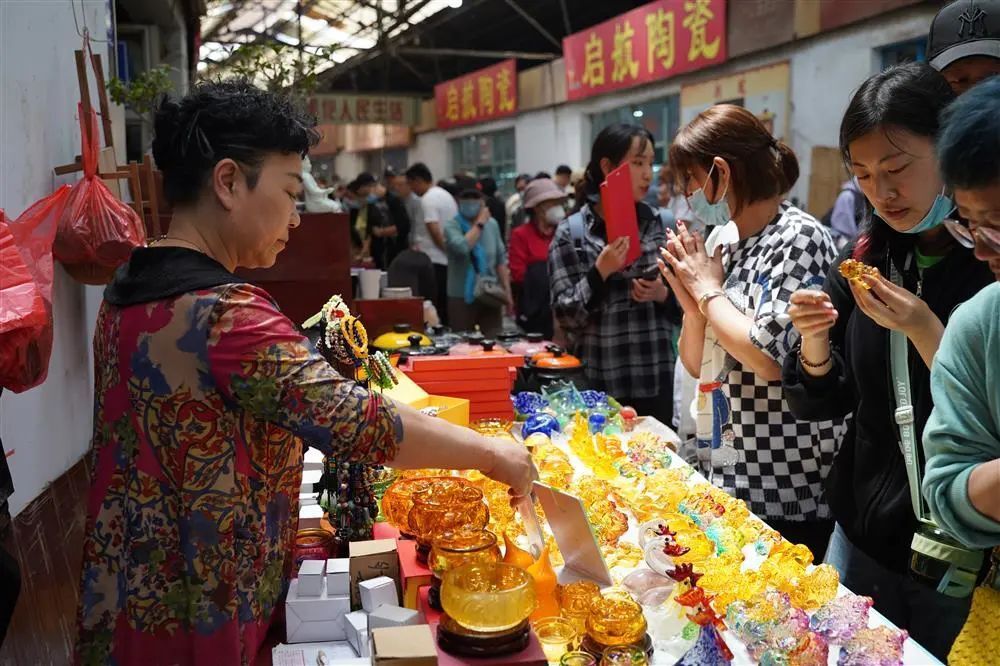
x: 668, y: 652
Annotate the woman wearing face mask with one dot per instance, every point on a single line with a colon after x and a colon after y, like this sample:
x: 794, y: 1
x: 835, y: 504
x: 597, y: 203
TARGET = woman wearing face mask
x: 529, y: 254
x: 475, y: 250
x: 365, y: 217
x: 736, y: 328
x: 843, y: 366
x: 618, y: 317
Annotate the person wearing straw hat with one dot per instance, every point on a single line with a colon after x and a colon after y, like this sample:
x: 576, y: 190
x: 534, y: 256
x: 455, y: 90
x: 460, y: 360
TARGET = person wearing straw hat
x: 545, y: 203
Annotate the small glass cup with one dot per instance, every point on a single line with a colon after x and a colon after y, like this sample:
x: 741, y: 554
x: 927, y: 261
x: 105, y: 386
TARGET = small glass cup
x: 623, y: 655
x: 616, y: 620
x: 575, y: 601
x: 557, y: 635
x: 577, y: 659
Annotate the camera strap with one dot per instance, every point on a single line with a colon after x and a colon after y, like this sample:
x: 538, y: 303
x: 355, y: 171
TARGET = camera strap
x: 899, y: 362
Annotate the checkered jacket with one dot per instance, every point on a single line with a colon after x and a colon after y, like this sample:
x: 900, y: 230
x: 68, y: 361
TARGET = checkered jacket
x: 627, y: 346
x: 782, y: 461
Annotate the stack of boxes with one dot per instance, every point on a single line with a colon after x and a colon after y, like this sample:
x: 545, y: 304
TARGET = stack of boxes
x: 485, y: 380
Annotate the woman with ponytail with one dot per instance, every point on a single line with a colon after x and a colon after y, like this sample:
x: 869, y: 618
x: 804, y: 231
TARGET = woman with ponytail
x: 734, y: 290
x: 618, y: 316
x: 843, y: 364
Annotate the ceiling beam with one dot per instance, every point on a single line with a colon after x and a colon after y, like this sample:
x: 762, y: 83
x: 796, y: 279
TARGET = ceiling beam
x: 534, y: 23
x: 565, y: 17
x: 472, y: 53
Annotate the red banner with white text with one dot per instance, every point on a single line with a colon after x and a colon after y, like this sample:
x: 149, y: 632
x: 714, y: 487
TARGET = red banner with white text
x: 655, y: 41
x: 483, y: 95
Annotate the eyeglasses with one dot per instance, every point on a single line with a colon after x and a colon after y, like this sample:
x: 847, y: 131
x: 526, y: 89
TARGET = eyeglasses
x: 968, y: 237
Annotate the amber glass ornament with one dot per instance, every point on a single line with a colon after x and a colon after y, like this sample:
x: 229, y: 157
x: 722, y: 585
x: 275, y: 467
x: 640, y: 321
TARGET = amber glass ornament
x: 456, y: 548
x: 616, y: 620
x: 488, y: 597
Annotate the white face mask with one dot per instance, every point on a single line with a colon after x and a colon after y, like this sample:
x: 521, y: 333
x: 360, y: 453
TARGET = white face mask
x: 555, y: 215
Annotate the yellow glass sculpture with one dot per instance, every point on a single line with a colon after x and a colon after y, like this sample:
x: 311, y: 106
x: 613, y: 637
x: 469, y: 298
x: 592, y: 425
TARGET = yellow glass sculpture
x: 545, y: 587
x: 815, y: 588
x: 488, y: 597
x: 554, y: 467
x: 398, y: 500
x: 626, y: 555
x: 515, y: 555
x: 615, y: 621
x: 457, y: 548
x: 446, y: 504
x: 575, y: 601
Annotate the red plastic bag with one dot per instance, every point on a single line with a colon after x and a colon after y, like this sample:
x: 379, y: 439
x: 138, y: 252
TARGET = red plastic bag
x: 26, y: 292
x: 97, y: 232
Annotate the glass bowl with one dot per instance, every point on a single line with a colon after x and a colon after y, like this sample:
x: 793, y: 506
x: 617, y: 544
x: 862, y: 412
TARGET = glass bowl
x: 456, y: 548
x: 616, y: 620
x: 398, y: 499
x: 489, y: 597
x: 446, y: 504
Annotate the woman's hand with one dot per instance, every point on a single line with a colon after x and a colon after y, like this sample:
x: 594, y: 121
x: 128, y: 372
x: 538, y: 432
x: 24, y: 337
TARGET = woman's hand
x: 649, y: 291
x: 512, y: 466
x: 895, y: 308
x: 693, y: 268
x: 812, y: 314
x: 684, y: 298
x: 612, y: 257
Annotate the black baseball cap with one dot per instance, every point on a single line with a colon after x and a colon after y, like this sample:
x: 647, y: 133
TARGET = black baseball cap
x: 362, y: 180
x: 962, y: 29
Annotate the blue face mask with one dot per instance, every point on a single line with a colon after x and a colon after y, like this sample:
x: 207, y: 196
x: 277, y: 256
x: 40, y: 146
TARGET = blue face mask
x: 941, y: 208
x: 372, y: 199
x: 352, y: 203
x: 709, y: 214
x: 469, y: 209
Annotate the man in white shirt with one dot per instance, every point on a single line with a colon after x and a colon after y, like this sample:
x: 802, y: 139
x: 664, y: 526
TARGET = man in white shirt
x: 428, y: 237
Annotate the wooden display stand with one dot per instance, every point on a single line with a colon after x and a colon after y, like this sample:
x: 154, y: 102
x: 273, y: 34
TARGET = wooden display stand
x: 314, y: 266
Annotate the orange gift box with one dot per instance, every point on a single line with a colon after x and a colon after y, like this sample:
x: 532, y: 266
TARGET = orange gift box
x: 414, y: 574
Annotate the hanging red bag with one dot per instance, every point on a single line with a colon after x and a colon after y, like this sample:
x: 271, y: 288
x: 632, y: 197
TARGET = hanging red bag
x: 26, y: 292
x: 97, y: 232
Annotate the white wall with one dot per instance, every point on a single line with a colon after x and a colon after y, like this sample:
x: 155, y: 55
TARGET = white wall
x: 48, y: 427
x: 431, y: 148
x: 348, y: 165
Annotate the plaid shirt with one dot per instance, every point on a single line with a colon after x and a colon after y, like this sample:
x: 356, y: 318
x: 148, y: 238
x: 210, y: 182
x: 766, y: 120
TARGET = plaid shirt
x: 627, y: 346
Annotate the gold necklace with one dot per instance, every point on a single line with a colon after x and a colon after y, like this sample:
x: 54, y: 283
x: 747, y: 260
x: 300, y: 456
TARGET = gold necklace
x: 176, y: 240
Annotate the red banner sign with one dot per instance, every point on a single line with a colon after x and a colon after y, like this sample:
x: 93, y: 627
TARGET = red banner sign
x: 655, y: 41
x: 483, y: 95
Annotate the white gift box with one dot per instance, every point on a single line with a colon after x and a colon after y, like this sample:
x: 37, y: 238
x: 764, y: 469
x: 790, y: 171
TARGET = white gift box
x: 308, y: 499
x: 310, y: 478
x: 377, y: 592
x: 338, y: 576
x: 312, y: 460
x: 315, y: 619
x: 310, y: 517
x: 392, y: 616
x: 356, y: 626
x: 311, y: 578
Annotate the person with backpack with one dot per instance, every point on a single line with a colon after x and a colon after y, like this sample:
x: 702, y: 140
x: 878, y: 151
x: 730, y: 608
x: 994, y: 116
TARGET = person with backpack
x: 529, y: 253
x: 867, y: 344
x: 734, y: 288
x: 846, y: 215
x: 619, y: 317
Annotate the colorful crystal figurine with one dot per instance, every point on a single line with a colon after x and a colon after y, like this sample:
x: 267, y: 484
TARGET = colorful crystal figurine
x: 649, y: 452
x: 841, y: 618
x: 623, y: 655
x: 812, y: 650
x: 527, y: 403
x: 880, y: 646
x: 708, y: 650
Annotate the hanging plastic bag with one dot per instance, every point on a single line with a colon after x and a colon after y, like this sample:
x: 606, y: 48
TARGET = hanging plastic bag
x: 97, y: 232
x: 26, y: 292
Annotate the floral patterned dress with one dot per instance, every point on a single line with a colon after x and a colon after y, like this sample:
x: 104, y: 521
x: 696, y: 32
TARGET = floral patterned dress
x: 203, y: 402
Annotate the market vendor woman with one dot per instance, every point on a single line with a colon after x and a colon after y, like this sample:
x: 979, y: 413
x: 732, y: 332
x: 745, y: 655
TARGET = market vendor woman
x: 206, y: 395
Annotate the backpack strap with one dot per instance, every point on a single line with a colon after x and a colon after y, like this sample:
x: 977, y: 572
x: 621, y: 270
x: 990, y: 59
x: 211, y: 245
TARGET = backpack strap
x: 576, y: 232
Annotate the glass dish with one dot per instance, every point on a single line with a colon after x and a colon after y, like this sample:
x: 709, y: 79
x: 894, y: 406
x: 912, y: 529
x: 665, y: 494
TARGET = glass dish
x: 457, y: 548
x: 398, y: 499
x: 616, y: 621
x: 557, y: 636
x: 488, y: 597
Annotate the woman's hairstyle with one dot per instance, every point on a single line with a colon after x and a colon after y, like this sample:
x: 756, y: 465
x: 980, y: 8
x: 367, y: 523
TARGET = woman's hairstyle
x: 613, y: 142
x: 761, y: 167
x: 906, y: 97
x: 968, y: 147
x: 224, y: 119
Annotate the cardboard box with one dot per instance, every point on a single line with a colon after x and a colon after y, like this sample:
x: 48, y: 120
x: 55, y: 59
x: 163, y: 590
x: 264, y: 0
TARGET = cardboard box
x: 310, y: 517
x: 415, y: 575
x: 404, y: 646
x: 309, y: 479
x: 393, y: 616
x: 312, y: 619
x: 378, y: 592
x: 338, y: 576
x: 356, y: 626
x: 311, y: 578
x: 371, y: 559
